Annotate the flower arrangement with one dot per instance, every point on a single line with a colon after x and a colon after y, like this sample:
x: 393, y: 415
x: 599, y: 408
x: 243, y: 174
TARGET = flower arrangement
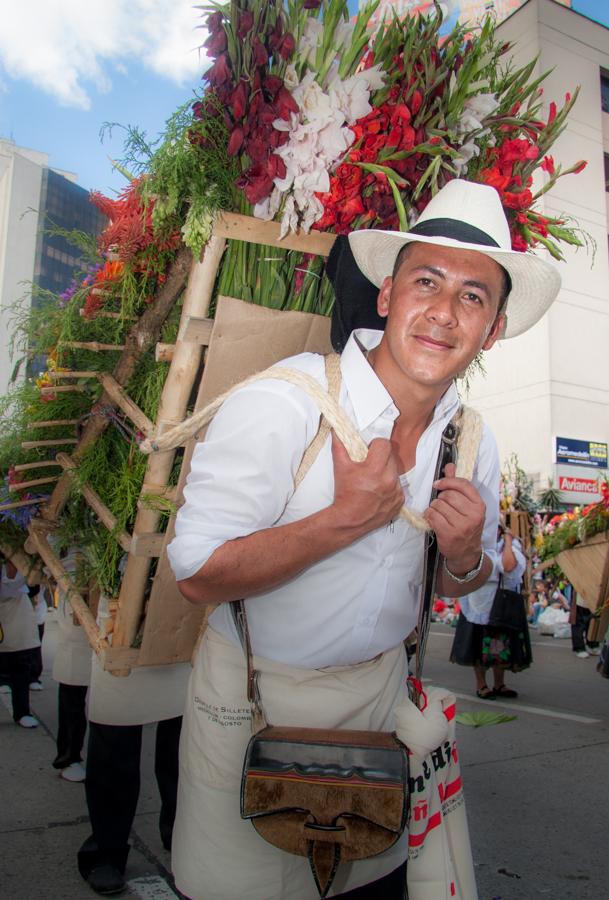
x: 516, y: 489
x: 564, y: 530
x: 338, y: 126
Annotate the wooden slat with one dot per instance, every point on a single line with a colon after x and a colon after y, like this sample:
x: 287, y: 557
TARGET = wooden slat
x: 25, y: 485
x: 95, y: 346
x: 56, y: 442
x: 255, y: 231
x: 105, y: 515
x: 51, y: 423
x: 166, y: 491
x: 106, y: 314
x: 147, y: 545
x: 20, y: 503
x: 119, y: 660
x: 72, y: 373
x: 124, y: 402
x: 62, y: 389
x: 22, y: 467
x: 164, y: 352
x: 197, y: 330
x: 64, y: 581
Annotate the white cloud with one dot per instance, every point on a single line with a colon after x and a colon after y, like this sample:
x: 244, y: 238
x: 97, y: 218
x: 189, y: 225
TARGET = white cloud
x: 68, y: 47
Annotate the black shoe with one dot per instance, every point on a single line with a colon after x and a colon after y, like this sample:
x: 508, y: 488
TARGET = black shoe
x: 106, y: 880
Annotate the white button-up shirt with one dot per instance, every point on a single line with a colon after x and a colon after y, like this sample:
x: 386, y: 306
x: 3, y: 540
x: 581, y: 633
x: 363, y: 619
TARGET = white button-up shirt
x: 361, y: 600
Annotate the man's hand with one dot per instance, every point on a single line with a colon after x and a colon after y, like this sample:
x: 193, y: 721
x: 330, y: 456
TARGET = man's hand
x: 457, y: 516
x: 367, y: 494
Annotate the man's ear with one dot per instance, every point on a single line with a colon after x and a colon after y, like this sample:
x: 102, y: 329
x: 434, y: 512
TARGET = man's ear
x: 384, y: 297
x: 496, y: 332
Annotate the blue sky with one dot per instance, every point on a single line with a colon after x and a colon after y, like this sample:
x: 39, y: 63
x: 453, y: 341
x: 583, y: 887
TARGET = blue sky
x: 66, y: 67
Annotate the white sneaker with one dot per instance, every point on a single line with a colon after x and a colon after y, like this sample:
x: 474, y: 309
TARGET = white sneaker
x: 583, y: 654
x: 36, y: 686
x: 28, y: 722
x: 594, y: 651
x: 74, y: 772
x: 4, y: 689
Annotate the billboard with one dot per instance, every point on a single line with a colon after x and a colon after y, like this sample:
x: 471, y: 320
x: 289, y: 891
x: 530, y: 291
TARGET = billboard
x: 575, y: 452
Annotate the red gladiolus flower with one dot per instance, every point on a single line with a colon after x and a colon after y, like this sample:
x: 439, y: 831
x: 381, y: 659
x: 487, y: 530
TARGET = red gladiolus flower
x: 235, y: 142
x: 521, y: 200
x: 581, y: 165
x: 261, y: 56
x: 214, y: 22
x: 245, y: 24
x: 552, y: 114
x: 272, y: 84
x: 517, y: 150
x: 276, y: 166
x: 256, y: 184
x: 518, y: 242
x: 220, y: 72
x: 494, y: 178
x: 287, y: 46
x: 311, y: 4
x: 238, y: 101
x: 285, y: 103
x: 547, y: 164
x: 416, y: 101
x: 216, y: 42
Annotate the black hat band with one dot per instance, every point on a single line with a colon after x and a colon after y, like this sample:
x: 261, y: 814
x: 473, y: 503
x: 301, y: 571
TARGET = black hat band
x: 453, y: 228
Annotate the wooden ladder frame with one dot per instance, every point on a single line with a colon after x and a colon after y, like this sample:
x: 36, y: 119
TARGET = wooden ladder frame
x: 118, y: 655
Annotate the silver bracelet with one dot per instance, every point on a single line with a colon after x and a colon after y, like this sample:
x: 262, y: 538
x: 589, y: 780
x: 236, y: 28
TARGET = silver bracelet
x: 469, y: 576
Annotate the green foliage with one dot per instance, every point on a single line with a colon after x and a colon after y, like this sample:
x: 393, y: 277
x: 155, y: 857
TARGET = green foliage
x: 480, y: 719
x: 274, y: 277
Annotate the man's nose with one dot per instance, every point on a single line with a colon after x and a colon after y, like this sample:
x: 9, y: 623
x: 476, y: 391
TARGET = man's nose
x: 443, y: 309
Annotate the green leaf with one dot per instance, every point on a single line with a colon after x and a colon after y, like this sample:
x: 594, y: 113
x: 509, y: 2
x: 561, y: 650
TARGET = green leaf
x: 479, y: 719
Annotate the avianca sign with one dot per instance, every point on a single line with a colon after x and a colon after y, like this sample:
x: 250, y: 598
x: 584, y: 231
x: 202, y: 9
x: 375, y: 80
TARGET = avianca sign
x: 578, y: 485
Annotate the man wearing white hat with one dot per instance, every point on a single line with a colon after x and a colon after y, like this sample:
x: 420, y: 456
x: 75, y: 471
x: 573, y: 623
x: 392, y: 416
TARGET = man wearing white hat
x: 330, y: 576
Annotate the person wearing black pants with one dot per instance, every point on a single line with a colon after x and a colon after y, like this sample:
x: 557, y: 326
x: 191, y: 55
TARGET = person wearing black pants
x: 71, y: 724
x: 112, y: 790
x: 15, y: 669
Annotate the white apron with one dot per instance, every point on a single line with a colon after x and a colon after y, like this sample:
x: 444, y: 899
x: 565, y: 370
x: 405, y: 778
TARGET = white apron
x: 216, y: 854
x: 72, y: 661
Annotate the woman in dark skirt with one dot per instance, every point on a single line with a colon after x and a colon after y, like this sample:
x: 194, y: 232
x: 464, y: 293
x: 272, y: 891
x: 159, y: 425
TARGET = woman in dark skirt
x: 481, y: 647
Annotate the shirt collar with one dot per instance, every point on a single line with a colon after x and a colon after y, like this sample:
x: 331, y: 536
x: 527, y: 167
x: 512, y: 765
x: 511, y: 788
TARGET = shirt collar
x: 369, y: 397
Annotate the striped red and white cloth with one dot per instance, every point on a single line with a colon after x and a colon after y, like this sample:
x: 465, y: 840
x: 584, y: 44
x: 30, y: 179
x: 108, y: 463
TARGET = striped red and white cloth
x: 440, y: 864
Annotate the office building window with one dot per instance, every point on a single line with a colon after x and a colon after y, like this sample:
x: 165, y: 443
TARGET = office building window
x: 606, y: 161
x: 605, y: 91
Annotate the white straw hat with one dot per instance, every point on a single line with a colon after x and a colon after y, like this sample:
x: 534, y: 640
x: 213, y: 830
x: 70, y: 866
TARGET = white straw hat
x: 467, y: 216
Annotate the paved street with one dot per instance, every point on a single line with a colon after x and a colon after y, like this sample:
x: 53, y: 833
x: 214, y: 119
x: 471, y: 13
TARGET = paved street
x: 536, y: 790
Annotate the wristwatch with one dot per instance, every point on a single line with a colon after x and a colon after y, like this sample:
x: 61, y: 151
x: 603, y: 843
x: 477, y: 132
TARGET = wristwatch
x: 469, y: 576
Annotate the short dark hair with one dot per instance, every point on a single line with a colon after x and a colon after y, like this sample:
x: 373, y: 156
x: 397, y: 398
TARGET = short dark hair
x: 507, y: 281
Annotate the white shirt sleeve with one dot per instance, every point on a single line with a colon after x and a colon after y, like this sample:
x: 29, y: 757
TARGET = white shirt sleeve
x: 242, y: 475
x: 486, y: 480
x: 516, y: 575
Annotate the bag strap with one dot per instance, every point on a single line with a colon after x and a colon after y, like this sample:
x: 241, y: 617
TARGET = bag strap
x: 447, y: 454
x: 333, y: 377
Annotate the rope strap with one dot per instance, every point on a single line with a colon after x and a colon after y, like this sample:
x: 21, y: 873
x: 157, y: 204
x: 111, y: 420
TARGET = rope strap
x: 468, y: 422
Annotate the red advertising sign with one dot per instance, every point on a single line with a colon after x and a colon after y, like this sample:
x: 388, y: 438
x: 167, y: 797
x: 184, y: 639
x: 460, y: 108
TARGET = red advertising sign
x: 578, y: 485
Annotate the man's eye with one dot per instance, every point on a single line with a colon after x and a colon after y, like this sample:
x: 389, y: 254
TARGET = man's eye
x: 425, y: 282
x: 474, y: 298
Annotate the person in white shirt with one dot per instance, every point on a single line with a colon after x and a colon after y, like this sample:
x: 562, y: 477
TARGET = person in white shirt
x: 18, y: 638
x: 330, y: 576
x: 38, y: 598
x: 475, y: 611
